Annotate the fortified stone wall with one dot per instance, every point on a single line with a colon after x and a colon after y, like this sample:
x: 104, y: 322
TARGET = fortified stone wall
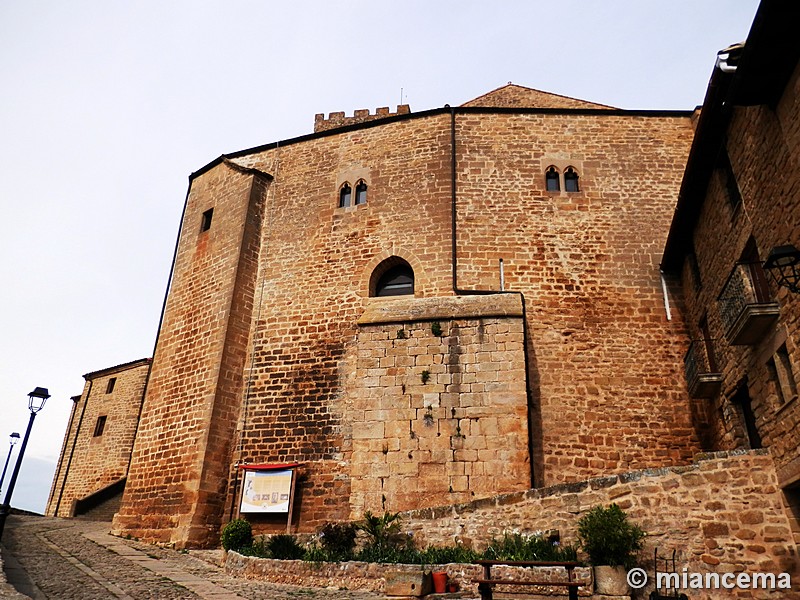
x: 98, y: 443
x: 313, y: 287
x: 181, y: 459
x: 438, y: 405
x: 605, y: 365
x: 263, y: 358
x: 338, y: 119
x: 723, y: 514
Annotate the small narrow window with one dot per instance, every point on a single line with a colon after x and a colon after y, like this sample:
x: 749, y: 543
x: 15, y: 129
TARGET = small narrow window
x: 552, y: 183
x: 361, y: 192
x: 695, y: 270
x: 729, y: 179
x: 782, y: 376
x: 100, y: 426
x: 205, y: 224
x: 345, y: 194
x: 111, y: 383
x: 571, y: 180
x: 711, y: 356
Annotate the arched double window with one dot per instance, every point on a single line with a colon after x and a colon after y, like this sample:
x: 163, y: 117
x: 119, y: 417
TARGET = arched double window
x: 346, y: 194
x: 552, y: 180
x: 393, y: 277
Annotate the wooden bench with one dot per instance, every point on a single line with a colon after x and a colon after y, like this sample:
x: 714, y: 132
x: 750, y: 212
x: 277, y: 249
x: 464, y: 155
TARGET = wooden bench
x: 486, y: 585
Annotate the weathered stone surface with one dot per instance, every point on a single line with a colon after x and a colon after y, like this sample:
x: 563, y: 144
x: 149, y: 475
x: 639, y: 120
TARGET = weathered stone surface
x: 404, y: 583
x: 261, y: 357
x: 400, y: 310
x: 611, y: 581
x: 704, y: 540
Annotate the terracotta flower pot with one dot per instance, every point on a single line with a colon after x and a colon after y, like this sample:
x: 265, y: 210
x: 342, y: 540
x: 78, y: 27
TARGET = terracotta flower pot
x: 439, y: 582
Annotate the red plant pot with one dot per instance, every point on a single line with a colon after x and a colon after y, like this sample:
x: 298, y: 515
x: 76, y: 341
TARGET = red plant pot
x: 439, y: 582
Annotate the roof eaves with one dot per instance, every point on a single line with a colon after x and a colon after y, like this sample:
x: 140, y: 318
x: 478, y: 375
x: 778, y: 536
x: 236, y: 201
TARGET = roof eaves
x: 117, y: 368
x: 769, y: 56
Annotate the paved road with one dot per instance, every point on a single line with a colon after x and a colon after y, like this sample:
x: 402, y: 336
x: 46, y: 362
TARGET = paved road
x: 66, y: 559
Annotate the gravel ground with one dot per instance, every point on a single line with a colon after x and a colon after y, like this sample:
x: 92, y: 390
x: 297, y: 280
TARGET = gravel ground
x: 68, y: 559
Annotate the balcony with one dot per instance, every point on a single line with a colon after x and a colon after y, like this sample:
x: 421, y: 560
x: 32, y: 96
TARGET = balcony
x: 699, y: 367
x: 746, y: 308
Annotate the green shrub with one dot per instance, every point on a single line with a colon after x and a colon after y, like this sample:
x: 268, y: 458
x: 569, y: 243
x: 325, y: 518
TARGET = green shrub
x: 528, y: 547
x: 606, y: 535
x: 258, y: 548
x: 237, y: 534
x: 316, y: 554
x: 284, y: 547
x: 442, y: 555
x: 385, y: 542
x: 338, y: 540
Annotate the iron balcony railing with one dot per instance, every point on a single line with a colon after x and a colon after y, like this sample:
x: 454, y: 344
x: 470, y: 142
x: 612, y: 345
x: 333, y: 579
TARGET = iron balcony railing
x: 745, y: 305
x: 701, y: 371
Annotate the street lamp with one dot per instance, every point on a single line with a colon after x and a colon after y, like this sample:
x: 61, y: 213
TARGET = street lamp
x: 14, y: 439
x: 36, y: 400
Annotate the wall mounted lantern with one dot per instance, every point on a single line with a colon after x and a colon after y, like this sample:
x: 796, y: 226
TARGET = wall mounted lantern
x: 783, y: 265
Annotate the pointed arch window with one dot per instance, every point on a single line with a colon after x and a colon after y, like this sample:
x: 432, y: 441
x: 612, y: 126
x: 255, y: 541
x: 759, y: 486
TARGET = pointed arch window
x: 345, y: 195
x: 551, y: 180
x: 571, y: 180
x: 361, y: 192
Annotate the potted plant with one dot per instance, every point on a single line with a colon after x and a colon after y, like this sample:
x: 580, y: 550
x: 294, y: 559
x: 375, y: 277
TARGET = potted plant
x: 439, y: 581
x: 612, y: 542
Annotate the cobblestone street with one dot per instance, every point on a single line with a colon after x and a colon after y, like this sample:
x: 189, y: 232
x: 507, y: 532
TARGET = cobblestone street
x: 70, y: 559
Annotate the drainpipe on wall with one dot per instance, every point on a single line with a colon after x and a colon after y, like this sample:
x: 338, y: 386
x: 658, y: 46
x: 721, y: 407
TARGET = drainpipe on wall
x: 666, y: 295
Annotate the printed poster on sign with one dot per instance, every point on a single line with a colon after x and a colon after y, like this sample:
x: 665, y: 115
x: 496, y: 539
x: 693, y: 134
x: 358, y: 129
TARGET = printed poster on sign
x: 266, y: 491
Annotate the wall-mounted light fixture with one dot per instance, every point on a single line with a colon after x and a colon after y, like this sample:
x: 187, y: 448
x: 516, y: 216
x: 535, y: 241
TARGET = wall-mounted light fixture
x: 783, y: 265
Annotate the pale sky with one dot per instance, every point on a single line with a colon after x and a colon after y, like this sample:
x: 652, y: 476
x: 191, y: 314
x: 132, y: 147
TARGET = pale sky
x: 106, y: 107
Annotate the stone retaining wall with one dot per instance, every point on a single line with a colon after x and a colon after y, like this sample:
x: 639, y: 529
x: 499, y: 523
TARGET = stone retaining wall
x: 723, y: 514
x: 354, y: 575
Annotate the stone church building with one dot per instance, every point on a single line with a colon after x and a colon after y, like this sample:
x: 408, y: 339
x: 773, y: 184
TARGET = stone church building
x: 423, y: 309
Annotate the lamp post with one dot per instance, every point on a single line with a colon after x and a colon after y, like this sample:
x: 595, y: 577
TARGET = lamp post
x: 14, y: 439
x: 36, y: 400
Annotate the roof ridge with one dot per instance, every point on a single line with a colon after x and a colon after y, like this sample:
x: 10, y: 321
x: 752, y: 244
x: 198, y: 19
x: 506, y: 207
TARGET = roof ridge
x: 531, y: 89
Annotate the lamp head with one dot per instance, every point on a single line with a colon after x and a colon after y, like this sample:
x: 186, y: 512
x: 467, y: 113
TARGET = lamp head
x: 783, y: 265
x: 37, y: 398
x: 14, y: 438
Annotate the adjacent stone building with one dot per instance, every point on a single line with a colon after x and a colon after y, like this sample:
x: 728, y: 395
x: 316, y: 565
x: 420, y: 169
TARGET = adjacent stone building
x: 91, y: 471
x: 738, y: 208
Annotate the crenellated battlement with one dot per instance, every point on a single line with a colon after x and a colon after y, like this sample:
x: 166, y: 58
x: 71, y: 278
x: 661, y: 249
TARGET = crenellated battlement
x: 338, y: 119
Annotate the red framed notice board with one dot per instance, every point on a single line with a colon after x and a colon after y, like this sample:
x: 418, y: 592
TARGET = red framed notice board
x: 268, y: 488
